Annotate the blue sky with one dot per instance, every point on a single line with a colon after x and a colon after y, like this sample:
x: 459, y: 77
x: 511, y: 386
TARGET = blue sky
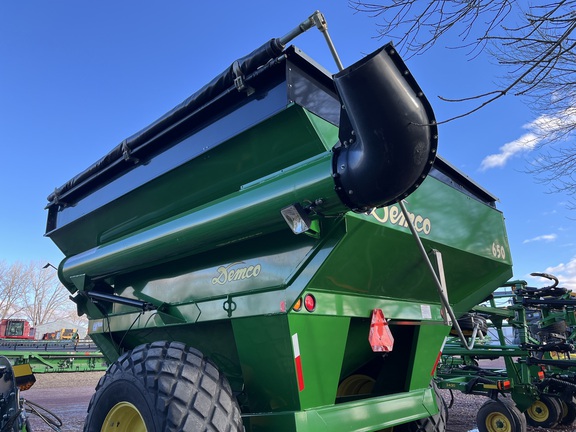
x: 76, y: 78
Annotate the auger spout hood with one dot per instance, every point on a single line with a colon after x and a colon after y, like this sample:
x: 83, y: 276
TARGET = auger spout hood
x: 388, y: 135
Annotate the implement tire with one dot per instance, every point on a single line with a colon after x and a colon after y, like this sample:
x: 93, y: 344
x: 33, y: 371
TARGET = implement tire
x: 435, y: 423
x: 500, y: 416
x: 163, y: 386
x: 545, y: 412
x: 555, y: 332
x: 568, y: 412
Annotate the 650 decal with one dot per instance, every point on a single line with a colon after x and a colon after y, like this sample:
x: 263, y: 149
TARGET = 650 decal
x: 498, y: 251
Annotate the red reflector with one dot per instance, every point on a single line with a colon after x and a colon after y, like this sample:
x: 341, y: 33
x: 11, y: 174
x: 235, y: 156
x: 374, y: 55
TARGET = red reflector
x: 541, y: 375
x: 309, y: 302
x: 380, y: 338
x: 436, y: 363
x: 438, y: 357
x: 504, y: 385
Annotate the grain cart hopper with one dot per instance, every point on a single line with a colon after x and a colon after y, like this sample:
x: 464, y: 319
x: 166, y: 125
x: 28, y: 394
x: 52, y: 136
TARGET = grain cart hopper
x: 215, y: 314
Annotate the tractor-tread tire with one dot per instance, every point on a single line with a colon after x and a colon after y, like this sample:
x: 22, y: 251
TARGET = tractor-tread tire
x: 435, y: 423
x: 174, y: 388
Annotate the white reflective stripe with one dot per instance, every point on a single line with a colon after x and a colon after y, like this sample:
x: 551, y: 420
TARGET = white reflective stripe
x: 443, y: 343
x: 295, y: 345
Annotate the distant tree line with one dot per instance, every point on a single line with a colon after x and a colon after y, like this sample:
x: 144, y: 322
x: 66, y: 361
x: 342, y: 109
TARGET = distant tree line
x: 33, y: 292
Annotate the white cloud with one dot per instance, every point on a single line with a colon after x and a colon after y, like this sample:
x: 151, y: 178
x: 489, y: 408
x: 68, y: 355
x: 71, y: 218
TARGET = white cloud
x: 566, y: 274
x: 525, y: 143
x: 541, y: 128
x: 545, y: 237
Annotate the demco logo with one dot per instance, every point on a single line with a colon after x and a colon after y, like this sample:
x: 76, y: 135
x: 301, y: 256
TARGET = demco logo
x: 235, y: 272
x: 394, y: 215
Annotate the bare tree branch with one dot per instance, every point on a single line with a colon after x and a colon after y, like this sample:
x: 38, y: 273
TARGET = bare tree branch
x: 536, y: 47
x: 44, y: 297
x: 11, y: 288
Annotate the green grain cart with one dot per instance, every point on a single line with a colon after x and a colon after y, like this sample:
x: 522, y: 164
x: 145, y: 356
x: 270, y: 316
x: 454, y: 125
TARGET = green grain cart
x: 273, y: 254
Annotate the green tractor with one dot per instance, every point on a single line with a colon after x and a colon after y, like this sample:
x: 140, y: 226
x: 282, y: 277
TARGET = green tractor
x: 283, y: 251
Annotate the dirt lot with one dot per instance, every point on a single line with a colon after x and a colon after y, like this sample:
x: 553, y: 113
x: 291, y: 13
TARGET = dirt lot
x: 462, y: 414
x: 67, y: 395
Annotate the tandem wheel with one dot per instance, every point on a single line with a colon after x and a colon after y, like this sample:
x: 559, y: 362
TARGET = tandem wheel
x: 500, y: 416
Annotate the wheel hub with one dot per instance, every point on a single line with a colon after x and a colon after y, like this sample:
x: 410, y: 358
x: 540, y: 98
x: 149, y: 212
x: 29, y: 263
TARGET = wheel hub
x: 498, y: 422
x: 538, y: 412
x: 124, y: 417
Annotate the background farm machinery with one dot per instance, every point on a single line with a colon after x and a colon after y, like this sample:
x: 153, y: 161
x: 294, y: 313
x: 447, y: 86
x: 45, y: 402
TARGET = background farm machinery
x: 519, y: 356
x: 59, y: 351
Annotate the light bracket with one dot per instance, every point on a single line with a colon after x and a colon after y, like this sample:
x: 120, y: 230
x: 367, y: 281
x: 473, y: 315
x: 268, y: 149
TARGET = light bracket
x: 297, y: 218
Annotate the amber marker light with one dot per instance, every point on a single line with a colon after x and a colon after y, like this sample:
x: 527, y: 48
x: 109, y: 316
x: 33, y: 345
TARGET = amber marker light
x: 298, y: 305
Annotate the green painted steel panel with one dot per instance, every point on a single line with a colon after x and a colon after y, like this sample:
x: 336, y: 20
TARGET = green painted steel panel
x: 353, y: 305
x: 267, y: 347
x: 321, y: 341
x: 364, y: 415
x: 57, y: 361
x: 427, y: 344
x: 249, y: 213
x: 379, y: 257
x: 267, y: 361
x: 256, y: 153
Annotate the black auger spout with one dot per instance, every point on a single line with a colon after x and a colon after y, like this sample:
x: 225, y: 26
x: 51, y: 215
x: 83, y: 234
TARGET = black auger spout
x: 388, y: 135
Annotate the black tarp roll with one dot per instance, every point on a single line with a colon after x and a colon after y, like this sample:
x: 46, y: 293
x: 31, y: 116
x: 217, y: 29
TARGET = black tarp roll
x: 219, y: 84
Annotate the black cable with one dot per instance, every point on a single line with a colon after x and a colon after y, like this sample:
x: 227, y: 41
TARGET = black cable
x: 130, y: 328
x: 47, y: 416
x: 451, y: 399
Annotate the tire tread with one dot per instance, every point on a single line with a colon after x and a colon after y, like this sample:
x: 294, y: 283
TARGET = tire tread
x: 171, y: 373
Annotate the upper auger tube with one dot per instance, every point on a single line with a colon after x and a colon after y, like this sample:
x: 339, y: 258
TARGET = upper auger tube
x: 388, y: 134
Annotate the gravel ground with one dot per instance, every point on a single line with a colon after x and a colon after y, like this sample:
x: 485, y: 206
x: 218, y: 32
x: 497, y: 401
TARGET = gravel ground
x: 462, y: 414
x: 67, y: 395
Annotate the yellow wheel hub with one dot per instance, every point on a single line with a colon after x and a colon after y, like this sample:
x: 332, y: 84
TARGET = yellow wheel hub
x: 538, y: 412
x: 356, y: 385
x: 498, y: 422
x: 124, y: 417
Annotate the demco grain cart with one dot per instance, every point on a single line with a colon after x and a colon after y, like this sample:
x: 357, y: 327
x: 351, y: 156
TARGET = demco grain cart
x: 253, y: 260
